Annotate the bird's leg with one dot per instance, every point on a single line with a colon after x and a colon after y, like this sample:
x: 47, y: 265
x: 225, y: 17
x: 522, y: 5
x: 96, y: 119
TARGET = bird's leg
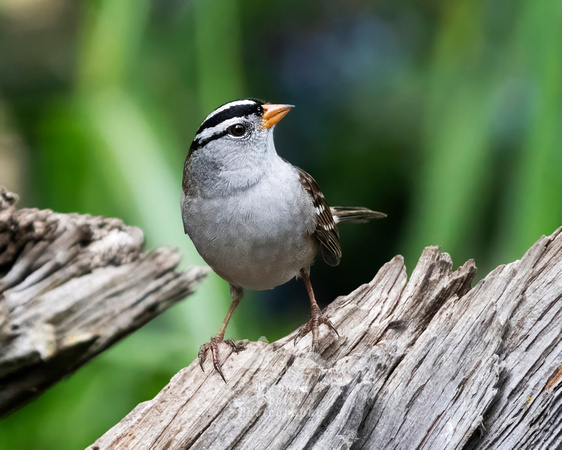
x: 316, y: 317
x: 235, y: 294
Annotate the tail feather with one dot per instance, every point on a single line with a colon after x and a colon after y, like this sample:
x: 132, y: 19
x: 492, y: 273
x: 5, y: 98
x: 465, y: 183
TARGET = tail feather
x: 355, y: 214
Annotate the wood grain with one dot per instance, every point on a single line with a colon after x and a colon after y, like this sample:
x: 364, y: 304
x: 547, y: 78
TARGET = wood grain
x: 70, y: 286
x: 424, y: 363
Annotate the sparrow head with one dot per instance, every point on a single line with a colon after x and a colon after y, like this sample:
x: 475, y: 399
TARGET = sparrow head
x: 232, y: 146
x: 241, y: 126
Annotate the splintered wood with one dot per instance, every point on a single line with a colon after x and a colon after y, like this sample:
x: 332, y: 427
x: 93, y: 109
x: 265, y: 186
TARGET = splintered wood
x: 429, y: 363
x: 70, y: 286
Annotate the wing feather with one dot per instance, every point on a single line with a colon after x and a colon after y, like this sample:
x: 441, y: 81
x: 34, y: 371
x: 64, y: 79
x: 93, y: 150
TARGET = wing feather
x: 326, y: 229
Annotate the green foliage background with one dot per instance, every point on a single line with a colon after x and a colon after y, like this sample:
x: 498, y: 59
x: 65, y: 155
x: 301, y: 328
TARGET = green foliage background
x: 445, y: 115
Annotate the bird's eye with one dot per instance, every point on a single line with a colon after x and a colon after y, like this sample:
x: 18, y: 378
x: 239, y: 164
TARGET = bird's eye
x: 237, y: 130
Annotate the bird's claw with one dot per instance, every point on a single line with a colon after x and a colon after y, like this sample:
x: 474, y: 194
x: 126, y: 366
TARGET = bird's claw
x: 316, y: 319
x: 213, y: 346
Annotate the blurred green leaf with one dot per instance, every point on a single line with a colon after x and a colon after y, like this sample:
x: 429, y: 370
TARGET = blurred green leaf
x: 534, y: 207
x: 456, y: 169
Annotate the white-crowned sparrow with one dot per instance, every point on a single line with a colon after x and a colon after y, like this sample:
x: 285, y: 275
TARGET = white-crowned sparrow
x: 256, y: 219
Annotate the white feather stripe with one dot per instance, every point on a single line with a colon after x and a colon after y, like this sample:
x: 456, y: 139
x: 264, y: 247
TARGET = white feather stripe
x: 208, y: 132
x: 230, y: 105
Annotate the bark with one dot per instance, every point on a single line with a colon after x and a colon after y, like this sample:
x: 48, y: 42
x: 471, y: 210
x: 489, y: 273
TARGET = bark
x: 71, y: 286
x: 427, y: 363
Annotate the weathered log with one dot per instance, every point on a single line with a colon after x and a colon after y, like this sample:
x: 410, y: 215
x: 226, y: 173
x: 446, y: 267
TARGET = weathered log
x: 70, y: 286
x: 429, y: 363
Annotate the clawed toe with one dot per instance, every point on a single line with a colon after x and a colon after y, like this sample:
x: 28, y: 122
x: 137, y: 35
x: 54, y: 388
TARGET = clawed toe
x: 235, y: 347
x: 313, y: 324
x: 213, y: 346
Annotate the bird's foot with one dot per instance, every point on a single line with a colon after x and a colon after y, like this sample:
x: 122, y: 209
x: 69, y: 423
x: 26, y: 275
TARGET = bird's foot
x: 213, y: 346
x: 316, y: 319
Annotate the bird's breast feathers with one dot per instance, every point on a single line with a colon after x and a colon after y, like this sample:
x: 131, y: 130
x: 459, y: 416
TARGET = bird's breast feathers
x: 257, y: 238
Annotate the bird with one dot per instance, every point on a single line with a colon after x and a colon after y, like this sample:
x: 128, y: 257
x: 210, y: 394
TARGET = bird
x: 257, y: 220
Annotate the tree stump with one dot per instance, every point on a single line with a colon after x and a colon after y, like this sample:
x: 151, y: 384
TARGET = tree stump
x: 427, y: 363
x: 71, y: 286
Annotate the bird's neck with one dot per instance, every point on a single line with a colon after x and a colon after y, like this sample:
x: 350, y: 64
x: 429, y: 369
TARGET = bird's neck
x: 211, y: 177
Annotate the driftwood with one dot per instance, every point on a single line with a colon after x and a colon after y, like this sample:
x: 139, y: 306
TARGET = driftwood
x: 70, y: 286
x: 431, y: 363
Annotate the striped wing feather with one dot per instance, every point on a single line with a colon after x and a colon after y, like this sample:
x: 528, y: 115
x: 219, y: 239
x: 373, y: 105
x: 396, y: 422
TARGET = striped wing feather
x: 326, y: 230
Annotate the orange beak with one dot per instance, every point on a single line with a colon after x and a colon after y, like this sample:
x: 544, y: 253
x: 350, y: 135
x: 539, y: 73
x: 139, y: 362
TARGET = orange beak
x: 273, y: 114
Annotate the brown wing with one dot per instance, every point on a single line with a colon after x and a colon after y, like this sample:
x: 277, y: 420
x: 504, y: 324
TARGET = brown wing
x: 326, y: 230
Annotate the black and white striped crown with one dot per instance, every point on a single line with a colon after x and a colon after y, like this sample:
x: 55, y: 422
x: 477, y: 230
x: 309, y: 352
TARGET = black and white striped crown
x: 217, y: 123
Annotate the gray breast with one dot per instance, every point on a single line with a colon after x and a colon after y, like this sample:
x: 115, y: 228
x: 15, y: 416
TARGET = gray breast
x: 256, y: 238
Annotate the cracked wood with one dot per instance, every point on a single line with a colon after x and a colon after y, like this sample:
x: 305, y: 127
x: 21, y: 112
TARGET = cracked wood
x: 70, y: 286
x: 428, y: 363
